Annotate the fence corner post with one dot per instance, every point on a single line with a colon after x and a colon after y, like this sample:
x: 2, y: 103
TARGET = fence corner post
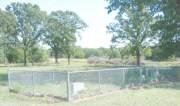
x: 9, y: 80
x: 69, y: 98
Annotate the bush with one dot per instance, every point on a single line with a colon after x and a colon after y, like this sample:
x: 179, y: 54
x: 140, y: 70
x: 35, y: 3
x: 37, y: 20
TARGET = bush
x: 1, y: 55
x: 95, y: 60
x: 172, y: 58
x: 14, y: 55
x: 78, y: 53
x: 115, y: 61
x: 38, y: 55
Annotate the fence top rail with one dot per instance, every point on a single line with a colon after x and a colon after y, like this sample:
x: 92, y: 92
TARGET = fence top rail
x: 34, y: 70
x: 77, y: 71
x: 111, y: 69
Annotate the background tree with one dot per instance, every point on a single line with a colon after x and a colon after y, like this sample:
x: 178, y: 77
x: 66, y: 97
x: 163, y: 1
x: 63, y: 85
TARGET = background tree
x: 133, y: 24
x: 53, y: 36
x: 78, y: 52
x: 63, y: 28
x: 113, y: 52
x: 38, y: 54
x: 167, y: 25
x: 29, y: 20
x: 7, y: 30
x: 74, y: 25
x: 15, y: 54
x: 147, y: 52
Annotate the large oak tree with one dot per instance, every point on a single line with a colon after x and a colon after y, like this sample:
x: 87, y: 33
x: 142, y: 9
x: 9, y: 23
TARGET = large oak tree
x: 62, y: 30
x: 7, y: 31
x: 29, y: 19
x: 132, y: 24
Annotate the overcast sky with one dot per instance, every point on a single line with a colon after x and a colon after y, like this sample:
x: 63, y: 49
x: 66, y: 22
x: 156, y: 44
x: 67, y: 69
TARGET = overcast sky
x: 93, y: 12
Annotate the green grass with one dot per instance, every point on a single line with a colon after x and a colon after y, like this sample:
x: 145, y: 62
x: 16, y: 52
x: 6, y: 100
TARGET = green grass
x: 162, y: 95
x: 60, y: 90
x: 142, y: 97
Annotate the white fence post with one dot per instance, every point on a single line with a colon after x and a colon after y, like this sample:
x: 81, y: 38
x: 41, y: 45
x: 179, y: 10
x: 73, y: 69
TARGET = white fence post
x: 99, y: 80
x: 33, y: 83
x: 53, y: 76
x: 140, y: 72
x: 68, y: 87
x: 123, y: 78
x: 9, y: 80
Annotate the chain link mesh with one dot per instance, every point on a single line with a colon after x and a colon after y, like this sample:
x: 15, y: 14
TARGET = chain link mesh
x: 77, y: 85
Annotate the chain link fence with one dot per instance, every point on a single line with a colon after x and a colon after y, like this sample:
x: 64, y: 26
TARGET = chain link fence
x: 82, y: 84
x: 37, y: 83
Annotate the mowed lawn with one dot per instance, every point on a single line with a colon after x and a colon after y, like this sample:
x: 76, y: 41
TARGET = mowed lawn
x: 142, y: 97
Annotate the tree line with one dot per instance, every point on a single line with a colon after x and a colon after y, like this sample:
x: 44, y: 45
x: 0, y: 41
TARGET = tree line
x: 149, y: 28
x: 25, y: 26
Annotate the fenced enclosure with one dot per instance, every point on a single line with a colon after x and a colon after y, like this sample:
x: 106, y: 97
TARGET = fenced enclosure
x: 82, y: 84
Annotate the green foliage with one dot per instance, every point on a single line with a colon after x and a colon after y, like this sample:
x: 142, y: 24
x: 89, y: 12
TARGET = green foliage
x: 62, y: 28
x: 172, y: 58
x: 29, y: 19
x: 1, y: 55
x: 14, y: 55
x: 160, y: 54
x: 137, y: 23
x: 90, y: 52
x: 7, y: 23
x: 132, y: 25
x: 8, y: 28
x: 114, y: 53
x: 78, y: 52
x: 38, y: 54
x: 147, y: 52
x: 159, y: 20
x: 167, y: 25
x: 102, y: 52
x: 126, y: 52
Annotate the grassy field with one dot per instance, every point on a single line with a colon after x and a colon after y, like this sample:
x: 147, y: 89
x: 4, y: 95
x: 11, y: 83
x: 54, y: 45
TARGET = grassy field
x: 165, y: 95
x: 142, y: 97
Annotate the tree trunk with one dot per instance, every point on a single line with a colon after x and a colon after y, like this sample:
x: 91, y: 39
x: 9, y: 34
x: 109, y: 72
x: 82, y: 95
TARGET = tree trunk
x: 5, y: 56
x: 56, y: 56
x: 69, y: 59
x: 25, y: 56
x: 31, y: 56
x: 138, y: 57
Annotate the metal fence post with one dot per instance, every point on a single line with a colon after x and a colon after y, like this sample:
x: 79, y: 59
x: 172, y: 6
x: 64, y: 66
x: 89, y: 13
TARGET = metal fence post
x: 9, y: 80
x: 140, y: 72
x: 53, y: 76
x: 99, y: 80
x: 123, y: 78
x: 33, y: 83
x: 157, y: 74
x: 147, y: 76
x: 68, y: 87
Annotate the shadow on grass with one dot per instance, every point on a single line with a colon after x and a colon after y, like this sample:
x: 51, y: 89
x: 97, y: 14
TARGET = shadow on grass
x: 170, y: 85
x: 3, y: 79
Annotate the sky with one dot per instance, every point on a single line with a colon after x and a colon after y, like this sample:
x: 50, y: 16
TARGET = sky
x: 93, y: 13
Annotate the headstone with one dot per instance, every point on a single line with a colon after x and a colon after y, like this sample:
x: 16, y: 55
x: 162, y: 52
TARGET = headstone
x: 77, y: 87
